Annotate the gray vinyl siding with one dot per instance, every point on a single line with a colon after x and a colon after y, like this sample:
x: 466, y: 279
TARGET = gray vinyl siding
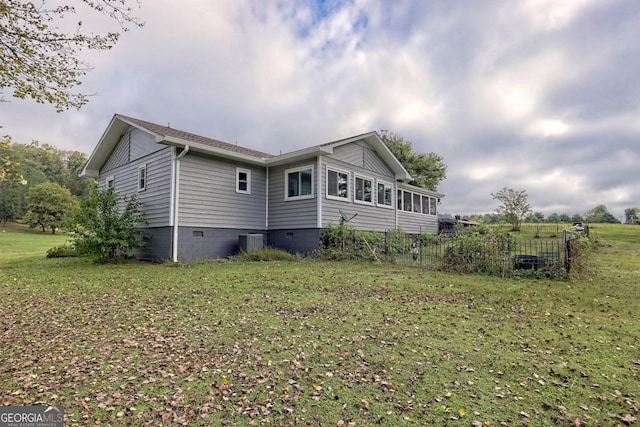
x: 156, y: 198
x: 414, y: 223
x: 369, y: 217
x: 361, y: 155
x: 291, y: 214
x: 208, y: 195
x: 133, y: 145
x: 120, y: 154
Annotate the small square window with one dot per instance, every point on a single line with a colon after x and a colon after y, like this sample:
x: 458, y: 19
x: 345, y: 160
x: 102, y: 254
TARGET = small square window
x: 110, y: 183
x: 243, y: 181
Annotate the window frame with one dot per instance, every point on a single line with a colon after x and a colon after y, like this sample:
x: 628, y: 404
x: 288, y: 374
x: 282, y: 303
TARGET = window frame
x: 407, y: 202
x: 110, y: 182
x: 247, y: 172
x: 355, y: 189
x: 383, y: 204
x: 426, y: 203
x: 142, y: 169
x: 287, y: 172
x: 347, y: 196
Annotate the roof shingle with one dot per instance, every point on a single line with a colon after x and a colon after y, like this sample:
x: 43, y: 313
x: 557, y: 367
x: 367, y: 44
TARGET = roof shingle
x: 191, y: 137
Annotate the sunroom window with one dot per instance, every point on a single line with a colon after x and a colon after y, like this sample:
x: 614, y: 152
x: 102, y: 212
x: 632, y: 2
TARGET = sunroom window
x: 364, y: 190
x: 385, y: 192
x: 337, y: 184
x: 299, y: 182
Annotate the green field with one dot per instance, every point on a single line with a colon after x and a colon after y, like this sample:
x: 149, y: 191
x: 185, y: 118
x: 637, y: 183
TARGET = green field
x: 319, y: 343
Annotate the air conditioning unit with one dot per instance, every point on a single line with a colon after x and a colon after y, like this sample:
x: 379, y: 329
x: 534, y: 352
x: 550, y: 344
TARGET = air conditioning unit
x: 250, y: 242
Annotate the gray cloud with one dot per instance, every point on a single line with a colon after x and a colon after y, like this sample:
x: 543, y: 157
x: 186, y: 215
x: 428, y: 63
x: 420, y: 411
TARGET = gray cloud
x: 541, y: 96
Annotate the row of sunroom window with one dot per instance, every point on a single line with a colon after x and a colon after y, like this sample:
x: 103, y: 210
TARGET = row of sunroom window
x: 299, y: 185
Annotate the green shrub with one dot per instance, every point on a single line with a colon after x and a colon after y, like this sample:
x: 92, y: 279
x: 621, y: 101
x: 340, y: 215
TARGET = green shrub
x: 62, y: 251
x: 266, y: 254
x: 343, y: 242
x: 106, y: 226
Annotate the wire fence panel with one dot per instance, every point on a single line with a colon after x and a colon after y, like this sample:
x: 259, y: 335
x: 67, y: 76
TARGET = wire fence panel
x: 500, y: 254
x: 493, y: 255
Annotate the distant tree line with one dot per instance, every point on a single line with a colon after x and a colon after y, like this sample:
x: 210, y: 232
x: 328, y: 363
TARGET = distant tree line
x: 598, y: 215
x: 43, y: 185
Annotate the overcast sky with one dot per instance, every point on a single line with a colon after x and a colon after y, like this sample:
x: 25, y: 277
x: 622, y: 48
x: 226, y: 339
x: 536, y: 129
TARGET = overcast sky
x: 539, y: 95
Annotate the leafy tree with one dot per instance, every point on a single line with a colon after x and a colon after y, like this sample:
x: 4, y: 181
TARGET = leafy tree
x: 79, y: 186
x: 536, y: 217
x: 577, y: 218
x: 600, y: 214
x: 48, y: 206
x: 608, y: 218
x: 553, y: 218
x: 7, y: 164
x: 59, y: 166
x: 106, y: 231
x: 564, y: 218
x: 41, y: 61
x: 632, y: 215
x: 427, y: 170
x: 514, y: 207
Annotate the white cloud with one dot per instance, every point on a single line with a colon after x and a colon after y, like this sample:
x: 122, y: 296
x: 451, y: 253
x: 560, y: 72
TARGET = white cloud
x: 479, y: 83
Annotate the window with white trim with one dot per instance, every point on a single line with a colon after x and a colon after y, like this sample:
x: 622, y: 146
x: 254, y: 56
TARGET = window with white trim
x: 385, y: 194
x: 406, y: 199
x: 409, y: 201
x: 337, y: 184
x: 110, y: 183
x: 364, y: 190
x: 416, y: 202
x: 243, y: 181
x: 433, y: 203
x: 299, y: 183
x: 425, y: 204
x: 142, y: 178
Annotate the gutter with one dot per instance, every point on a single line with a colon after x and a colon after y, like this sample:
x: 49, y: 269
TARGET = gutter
x: 175, y: 200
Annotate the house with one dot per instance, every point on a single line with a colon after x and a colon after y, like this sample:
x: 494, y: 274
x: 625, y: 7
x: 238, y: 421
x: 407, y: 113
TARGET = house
x: 199, y: 195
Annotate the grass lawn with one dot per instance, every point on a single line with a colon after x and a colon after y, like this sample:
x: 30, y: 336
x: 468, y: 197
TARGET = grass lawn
x: 315, y: 343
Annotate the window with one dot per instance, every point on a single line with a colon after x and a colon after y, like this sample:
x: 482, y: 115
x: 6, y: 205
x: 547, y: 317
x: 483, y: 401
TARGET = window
x: 142, y: 178
x: 425, y: 204
x: 384, y: 194
x: 409, y: 201
x: 110, y: 183
x: 432, y: 209
x: 364, y: 190
x: 337, y: 184
x: 243, y: 181
x: 299, y: 183
x: 416, y: 202
x: 406, y: 197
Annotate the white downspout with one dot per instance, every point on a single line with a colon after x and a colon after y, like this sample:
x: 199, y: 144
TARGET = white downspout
x: 266, y: 211
x: 320, y: 192
x: 176, y: 192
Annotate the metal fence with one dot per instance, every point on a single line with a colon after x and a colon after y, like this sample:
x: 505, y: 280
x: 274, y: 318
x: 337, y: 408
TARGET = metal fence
x: 477, y: 254
x: 464, y: 253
